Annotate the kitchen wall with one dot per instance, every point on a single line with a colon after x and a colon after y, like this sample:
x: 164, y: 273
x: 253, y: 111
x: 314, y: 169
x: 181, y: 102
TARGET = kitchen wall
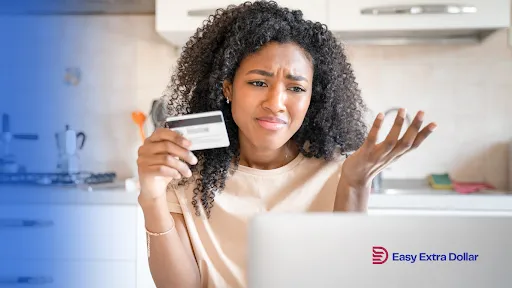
x: 466, y: 90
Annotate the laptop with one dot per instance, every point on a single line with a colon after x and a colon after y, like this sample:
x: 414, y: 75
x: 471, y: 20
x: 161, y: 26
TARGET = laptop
x: 360, y: 250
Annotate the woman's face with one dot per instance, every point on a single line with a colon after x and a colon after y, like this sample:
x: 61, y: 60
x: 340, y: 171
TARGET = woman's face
x: 270, y: 94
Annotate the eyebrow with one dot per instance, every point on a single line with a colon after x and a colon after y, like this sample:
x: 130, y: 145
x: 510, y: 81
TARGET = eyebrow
x: 270, y: 74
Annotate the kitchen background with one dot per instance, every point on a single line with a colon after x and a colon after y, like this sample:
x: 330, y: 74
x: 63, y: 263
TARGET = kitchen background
x: 124, y: 65
x: 91, y: 72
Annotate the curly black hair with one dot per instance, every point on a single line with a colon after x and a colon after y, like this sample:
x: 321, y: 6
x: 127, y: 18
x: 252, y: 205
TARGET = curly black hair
x: 335, y: 117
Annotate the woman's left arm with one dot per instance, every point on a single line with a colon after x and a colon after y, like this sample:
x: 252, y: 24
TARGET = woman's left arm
x: 349, y: 199
x: 362, y: 166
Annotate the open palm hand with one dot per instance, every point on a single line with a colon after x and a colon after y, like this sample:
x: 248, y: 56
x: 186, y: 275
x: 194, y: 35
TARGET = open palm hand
x: 362, y: 166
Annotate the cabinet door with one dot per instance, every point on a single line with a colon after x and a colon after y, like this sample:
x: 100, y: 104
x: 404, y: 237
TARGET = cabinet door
x: 95, y: 232
x: 79, y: 6
x: 178, y: 20
x: 375, y: 15
x: 174, y: 15
x: 189, y: 15
x: 67, y: 274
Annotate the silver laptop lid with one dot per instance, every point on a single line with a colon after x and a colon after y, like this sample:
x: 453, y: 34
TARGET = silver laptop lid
x: 357, y: 250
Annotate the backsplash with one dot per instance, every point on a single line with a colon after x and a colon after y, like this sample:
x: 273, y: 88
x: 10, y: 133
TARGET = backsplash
x: 466, y: 90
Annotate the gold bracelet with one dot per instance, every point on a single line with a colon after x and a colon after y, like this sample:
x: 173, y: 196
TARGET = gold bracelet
x: 149, y: 233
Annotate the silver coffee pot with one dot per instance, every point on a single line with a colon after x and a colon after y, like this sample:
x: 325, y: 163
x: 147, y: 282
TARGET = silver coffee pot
x: 69, y: 142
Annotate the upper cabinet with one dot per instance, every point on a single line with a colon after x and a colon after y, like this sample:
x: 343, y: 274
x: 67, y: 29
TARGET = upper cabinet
x: 77, y: 7
x: 379, y: 15
x: 394, y: 22
x: 176, y: 20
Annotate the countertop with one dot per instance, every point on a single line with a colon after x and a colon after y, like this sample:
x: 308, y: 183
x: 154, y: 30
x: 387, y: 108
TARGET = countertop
x: 417, y: 194
x: 421, y: 186
x: 395, y: 194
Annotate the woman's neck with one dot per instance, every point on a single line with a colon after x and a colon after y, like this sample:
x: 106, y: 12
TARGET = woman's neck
x: 266, y: 159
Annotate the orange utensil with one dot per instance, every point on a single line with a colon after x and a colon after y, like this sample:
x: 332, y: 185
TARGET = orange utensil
x: 139, y: 118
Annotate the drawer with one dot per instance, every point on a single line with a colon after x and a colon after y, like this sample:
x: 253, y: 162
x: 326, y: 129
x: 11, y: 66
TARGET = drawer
x: 68, y: 232
x: 67, y: 274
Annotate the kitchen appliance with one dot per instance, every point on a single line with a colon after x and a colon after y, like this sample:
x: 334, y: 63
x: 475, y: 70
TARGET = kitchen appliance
x: 8, y: 163
x: 68, y: 142
x: 68, y: 174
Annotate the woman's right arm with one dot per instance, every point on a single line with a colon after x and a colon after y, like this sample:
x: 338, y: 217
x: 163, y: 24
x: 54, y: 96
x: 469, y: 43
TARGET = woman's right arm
x: 171, y: 262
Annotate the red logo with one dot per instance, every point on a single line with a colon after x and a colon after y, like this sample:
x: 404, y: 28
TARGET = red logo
x: 380, y: 255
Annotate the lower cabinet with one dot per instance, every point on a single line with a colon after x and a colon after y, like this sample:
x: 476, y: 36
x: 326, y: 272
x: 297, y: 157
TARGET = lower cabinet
x: 61, y: 246
x: 68, y: 273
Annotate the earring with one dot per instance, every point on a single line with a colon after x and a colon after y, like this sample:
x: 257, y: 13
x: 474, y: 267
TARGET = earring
x: 227, y: 100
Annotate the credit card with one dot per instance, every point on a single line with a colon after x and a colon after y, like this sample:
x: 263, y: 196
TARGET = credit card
x: 204, y: 130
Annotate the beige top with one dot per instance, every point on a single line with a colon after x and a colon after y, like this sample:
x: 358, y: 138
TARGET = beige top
x: 219, y: 243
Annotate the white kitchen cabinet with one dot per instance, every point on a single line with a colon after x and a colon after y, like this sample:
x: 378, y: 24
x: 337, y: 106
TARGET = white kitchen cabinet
x: 70, y: 273
x: 144, y: 278
x: 178, y: 20
x: 83, y: 232
x: 395, y: 15
x: 80, y: 7
x: 63, y: 243
x: 188, y: 15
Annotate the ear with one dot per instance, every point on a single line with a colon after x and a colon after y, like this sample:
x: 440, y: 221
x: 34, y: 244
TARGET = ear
x: 227, y: 89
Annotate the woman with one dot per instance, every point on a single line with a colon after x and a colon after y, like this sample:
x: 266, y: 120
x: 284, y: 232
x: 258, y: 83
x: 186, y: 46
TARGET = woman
x: 292, y: 109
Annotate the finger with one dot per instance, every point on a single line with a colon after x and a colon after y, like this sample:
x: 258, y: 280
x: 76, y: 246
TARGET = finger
x: 162, y: 134
x: 407, y: 140
x: 167, y: 147
x: 371, y: 140
x: 391, y: 140
x: 424, y: 133
x: 166, y: 160
x: 161, y: 170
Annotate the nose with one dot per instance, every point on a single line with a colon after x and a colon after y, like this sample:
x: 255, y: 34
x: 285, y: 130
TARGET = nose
x: 275, y: 100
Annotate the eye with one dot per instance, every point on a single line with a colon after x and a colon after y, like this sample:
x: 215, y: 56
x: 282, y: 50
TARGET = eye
x: 297, y: 89
x: 258, y: 83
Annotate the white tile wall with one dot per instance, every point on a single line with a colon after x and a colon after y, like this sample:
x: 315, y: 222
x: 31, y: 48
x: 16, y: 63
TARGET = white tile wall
x: 467, y: 90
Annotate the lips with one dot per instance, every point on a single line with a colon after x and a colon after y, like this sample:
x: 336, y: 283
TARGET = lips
x: 271, y: 123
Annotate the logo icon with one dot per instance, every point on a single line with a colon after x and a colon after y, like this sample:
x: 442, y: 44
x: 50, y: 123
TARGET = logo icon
x: 379, y: 255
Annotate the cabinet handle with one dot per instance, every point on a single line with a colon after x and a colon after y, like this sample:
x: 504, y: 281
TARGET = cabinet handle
x: 201, y: 12
x: 419, y: 9
x: 25, y: 280
x: 20, y: 223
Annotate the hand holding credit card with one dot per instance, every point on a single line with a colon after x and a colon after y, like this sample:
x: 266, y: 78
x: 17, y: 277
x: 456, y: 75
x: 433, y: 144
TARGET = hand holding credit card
x: 166, y: 154
x: 204, y: 130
